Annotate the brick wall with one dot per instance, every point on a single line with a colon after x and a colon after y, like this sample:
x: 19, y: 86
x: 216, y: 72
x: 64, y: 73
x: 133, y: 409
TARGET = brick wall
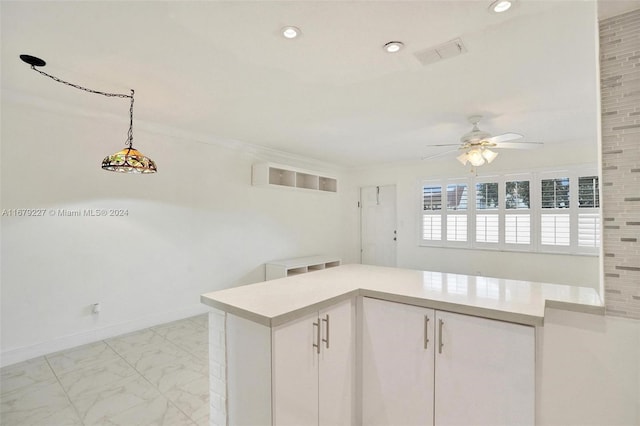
x: 620, y: 88
x: 217, y: 369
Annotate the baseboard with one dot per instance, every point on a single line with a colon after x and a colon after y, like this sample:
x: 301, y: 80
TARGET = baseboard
x: 24, y: 353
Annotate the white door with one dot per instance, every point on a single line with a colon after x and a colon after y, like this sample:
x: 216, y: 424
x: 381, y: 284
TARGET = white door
x: 378, y: 225
x: 397, y: 367
x: 337, y: 365
x: 484, y: 372
x: 295, y: 373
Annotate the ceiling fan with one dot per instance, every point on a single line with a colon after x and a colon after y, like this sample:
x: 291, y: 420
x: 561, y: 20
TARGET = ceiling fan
x: 477, y: 143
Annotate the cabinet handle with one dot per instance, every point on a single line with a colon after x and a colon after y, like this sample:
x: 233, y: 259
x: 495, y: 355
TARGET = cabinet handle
x: 426, y: 331
x: 317, y: 345
x: 326, y: 341
x: 440, y: 342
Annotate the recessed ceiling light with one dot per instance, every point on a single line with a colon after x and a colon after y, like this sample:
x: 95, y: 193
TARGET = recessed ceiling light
x: 393, y: 46
x: 500, y: 6
x: 290, y: 32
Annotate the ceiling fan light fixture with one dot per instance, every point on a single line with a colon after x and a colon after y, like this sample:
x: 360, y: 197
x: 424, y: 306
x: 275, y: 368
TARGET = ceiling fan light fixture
x: 500, y: 6
x: 475, y: 157
x: 463, y: 158
x: 489, y: 155
x: 474, y: 147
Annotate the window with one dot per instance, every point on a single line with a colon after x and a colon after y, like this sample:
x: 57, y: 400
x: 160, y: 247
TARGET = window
x: 555, y: 229
x: 517, y: 229
x: 548, y: 211
x: 432, y: 198
x: 589, y: 230
x: 457, y: 212
x: 487, y: 196
x: 555, y: 193
x: 431, y: 217
x: 555, y: 221
x: 444, y: 212
x: 588, y: 192
x: 588, y: 214
x: 431, y: 228
x: 517, y: 194
x: 487, y: 218
x: 517, y: 219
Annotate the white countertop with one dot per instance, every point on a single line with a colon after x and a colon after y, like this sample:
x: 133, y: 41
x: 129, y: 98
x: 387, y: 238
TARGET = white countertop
x: 275, y: 302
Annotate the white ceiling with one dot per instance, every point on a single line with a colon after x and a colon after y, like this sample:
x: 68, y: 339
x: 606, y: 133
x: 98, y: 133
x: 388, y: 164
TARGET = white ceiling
x: 220, y: 70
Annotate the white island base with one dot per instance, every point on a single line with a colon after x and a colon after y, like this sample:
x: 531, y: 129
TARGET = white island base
x: 371, y: 345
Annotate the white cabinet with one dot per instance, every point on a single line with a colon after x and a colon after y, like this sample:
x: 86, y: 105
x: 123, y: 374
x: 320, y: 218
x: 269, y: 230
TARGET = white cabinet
x: 300, y: 265
x: 295, y: 373
x: 313, y: 372
x: 472, y: 371
x: 487, y: 367
x: 397, y: 363
x: 298, y: 373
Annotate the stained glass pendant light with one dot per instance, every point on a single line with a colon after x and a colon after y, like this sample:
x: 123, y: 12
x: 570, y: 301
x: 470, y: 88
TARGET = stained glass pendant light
x: 128, y: 160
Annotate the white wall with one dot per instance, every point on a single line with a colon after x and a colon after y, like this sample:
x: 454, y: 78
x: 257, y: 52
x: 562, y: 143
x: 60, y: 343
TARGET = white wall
x: 555, y: 268
x: 196, y: 226
x: 588, y: 370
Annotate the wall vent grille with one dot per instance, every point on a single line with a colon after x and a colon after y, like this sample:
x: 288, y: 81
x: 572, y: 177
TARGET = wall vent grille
x: 446, y: 50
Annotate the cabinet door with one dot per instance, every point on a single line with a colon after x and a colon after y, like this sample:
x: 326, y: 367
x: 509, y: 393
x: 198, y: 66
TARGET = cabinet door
x: 484, y: 372
x: 337, y: 365
x: 397, y: 376
x: 295, y: 373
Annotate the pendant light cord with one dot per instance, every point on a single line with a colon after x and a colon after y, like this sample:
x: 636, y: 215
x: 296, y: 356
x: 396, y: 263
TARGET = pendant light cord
x: 97, y: 92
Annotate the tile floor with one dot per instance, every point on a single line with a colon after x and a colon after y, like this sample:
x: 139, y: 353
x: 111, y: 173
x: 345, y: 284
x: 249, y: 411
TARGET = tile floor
x: 156, y: 376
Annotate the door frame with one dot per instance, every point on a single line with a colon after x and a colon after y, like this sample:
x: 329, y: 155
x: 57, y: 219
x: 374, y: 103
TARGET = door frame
x: 395, y: 207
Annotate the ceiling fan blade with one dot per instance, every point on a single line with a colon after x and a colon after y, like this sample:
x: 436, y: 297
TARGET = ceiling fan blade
x: 446, y: 144
x: 441, y: 154
x: 520, y: 145
x: 505, y: 137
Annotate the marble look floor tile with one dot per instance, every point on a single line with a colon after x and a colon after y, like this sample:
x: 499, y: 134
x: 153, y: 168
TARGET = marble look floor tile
x: 96, y: 377
x: 39, y: 403
x: 178, y: 328
x: 82, y: 356
x: 104, y: 383
x: 95, y: 408
x: 204, y: 421
x: 177, y: 373
x: 159, y: 411
x: 66, y: 416
x: 201, y: 354
x: 200, y: 320
x: 192, y: 398
x: 192, y: 341
x: 134, y: 340
x: 144, y: 358
x: 24, y: 374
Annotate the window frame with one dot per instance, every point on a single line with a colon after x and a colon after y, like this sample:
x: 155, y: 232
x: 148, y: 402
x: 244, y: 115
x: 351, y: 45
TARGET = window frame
x: 502, y: 190
x: 570, y: 211
x: 497, y: 211
x: 444, y: 213
x: 535, y: 212
x: 590, y: 211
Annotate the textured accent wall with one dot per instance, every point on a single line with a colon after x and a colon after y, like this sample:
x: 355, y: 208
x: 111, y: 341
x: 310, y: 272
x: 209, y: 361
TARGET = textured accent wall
x: 217, y: 368
x: 620, y: 86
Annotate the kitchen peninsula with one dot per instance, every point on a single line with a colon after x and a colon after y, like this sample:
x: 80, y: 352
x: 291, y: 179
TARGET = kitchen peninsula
x: 360, y: 344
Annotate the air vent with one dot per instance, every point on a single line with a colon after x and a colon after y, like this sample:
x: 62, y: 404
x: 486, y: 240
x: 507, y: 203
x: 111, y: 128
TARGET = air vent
x: 444, y: 51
